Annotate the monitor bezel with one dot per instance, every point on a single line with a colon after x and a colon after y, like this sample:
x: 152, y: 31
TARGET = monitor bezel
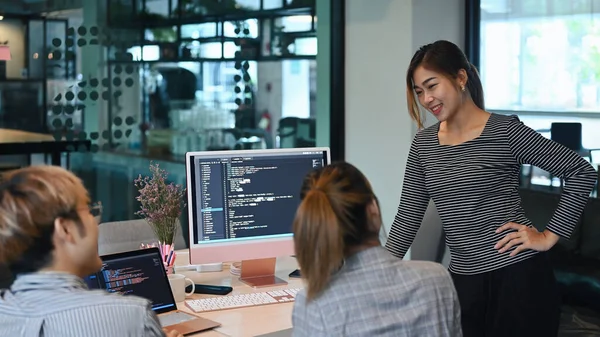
x: 283, y: 244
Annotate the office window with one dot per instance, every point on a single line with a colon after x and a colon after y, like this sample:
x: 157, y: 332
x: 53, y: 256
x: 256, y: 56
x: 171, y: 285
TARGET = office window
x: 540, y: 55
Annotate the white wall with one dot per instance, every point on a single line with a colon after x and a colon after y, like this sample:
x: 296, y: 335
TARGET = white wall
x: 381, y: 37
x: 437, y: 20
x: 378, y: 129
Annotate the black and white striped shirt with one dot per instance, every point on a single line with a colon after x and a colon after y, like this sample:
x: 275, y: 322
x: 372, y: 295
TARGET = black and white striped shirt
x: 475, y: 187
x: 60, y: 305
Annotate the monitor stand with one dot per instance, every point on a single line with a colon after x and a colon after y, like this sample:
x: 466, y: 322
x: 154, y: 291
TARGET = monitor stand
x: 260, y: 273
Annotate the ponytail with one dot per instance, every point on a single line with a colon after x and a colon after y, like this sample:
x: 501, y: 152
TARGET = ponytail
x: 319, y: 241
x: 475, y: 87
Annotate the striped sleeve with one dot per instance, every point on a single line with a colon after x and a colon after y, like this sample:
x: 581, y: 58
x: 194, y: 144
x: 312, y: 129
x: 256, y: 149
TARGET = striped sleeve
x: 413, y: 204
x: 530, y: 147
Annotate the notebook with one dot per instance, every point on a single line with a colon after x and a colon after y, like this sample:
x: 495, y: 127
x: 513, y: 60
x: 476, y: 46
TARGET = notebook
x: 142, y: 273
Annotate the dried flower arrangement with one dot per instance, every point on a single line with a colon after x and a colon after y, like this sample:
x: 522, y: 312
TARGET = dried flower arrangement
x: 161, y: 203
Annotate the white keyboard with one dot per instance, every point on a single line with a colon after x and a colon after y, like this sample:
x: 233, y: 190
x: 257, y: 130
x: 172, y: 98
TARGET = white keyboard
x: 242, y: 300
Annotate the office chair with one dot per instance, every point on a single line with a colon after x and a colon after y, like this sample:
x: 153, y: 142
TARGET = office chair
x: 569, y: 135
x: 122, y: 236
x: 296, y: 132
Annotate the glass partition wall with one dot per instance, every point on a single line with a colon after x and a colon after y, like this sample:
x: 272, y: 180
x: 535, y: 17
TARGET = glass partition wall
x: 211, y: 75
x: 148, y: 80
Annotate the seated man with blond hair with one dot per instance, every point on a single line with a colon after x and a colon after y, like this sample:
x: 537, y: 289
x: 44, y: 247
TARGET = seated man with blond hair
x: 49, y: 242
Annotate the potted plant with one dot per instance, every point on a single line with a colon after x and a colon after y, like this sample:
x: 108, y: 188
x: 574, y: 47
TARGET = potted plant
x: 161, y: 205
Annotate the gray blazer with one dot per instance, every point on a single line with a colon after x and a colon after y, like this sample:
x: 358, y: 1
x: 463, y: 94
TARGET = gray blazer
x: 377, y: 294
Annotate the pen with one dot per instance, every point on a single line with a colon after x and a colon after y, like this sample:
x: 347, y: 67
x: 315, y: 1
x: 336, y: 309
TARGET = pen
x: 169, y: 258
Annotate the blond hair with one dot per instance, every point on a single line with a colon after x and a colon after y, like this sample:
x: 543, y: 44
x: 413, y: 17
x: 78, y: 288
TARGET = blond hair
x: 31, y: 199
x: 332, y: 218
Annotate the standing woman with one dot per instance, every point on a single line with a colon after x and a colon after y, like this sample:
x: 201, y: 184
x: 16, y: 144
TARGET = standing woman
x: 469, y: 164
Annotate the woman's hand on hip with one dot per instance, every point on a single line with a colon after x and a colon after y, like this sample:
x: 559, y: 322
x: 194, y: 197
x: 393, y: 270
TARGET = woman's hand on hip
x: 525, y: 238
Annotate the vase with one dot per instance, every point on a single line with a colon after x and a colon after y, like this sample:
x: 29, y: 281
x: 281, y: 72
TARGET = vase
x: 167, y: 253
x: 165, y: 230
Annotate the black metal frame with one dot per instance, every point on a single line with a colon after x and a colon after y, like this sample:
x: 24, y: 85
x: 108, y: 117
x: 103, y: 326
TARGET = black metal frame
x: 473, y: 31
x: 337, y: 69
x: 178, y: 21
x: 337, y: 112
x: 27, y: 19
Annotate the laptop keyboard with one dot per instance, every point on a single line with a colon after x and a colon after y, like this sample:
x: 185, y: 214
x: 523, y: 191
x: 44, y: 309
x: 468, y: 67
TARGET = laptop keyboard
x: 243, y: 300
x: 174, y: 318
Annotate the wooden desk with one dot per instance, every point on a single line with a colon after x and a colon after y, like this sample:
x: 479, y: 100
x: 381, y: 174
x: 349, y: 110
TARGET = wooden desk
x: 250, y: 321
x: 16, y: 142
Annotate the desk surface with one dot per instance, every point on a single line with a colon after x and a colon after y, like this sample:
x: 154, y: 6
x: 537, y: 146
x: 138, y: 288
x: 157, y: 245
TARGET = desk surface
x: 17, y: 142
x: 18, y: 136
x: 250, y: 321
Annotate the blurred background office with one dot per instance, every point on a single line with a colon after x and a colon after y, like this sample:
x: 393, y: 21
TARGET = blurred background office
x: 149, y: 80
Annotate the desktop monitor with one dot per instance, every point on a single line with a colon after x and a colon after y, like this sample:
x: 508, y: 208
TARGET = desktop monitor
x: 242, y: 205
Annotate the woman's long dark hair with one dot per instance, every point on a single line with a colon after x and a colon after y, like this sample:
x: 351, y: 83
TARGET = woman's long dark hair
x: 448, y: 59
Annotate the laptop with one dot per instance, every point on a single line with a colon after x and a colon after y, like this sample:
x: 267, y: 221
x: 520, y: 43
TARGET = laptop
x: 142, y: 273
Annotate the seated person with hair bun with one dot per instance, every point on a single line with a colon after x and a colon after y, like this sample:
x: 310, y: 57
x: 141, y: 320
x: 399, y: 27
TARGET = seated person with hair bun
x: 354, y: 286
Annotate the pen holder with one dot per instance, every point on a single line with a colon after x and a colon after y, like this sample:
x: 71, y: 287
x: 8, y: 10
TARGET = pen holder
x: 167, y: 253
x: 170, y: 262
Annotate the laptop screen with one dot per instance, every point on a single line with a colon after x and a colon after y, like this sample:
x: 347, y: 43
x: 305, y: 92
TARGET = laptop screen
x: 140, y: 273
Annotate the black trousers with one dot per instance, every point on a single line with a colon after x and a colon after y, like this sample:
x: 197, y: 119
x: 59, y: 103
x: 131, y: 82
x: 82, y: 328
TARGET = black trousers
x: 518, y: 300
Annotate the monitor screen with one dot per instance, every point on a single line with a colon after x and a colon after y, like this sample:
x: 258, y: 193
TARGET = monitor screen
x: 139, y: 273
x: 240, y: 197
